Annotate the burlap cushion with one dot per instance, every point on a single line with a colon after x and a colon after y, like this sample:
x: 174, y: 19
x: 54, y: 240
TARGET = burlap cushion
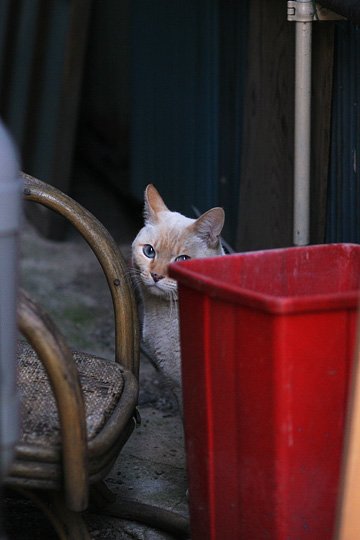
x: 102, y: 384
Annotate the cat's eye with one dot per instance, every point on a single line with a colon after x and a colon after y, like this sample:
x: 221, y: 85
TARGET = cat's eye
x: 149, y: 251
x: 182, y: 258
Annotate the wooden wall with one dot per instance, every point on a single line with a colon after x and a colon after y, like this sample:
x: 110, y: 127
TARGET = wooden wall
x: 104, y: 123
x: 322, y: 90
x: 266, y: 184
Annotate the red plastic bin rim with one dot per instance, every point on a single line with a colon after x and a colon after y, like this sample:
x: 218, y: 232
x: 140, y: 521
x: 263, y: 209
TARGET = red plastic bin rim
x: 188, y: 274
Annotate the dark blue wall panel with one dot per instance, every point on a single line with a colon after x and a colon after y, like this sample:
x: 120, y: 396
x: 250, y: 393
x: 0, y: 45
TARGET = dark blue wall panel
x: 175, y: 101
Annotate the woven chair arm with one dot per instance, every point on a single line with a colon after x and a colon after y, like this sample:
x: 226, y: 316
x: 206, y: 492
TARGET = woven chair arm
x: 111, y: 261
x: 58, y: 363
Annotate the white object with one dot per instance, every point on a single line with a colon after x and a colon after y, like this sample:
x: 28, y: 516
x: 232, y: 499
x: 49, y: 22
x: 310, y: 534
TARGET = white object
x: 10, y: 217
x: 302, y: 12
x: 302, y: 136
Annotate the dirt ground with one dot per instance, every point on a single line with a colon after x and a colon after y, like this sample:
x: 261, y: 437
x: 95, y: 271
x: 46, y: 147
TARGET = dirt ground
x: 67, y: 279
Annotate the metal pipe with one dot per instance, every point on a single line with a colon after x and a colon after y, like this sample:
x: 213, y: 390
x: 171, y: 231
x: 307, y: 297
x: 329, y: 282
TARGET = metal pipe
x: 302, y: 131
x: 10, y: 215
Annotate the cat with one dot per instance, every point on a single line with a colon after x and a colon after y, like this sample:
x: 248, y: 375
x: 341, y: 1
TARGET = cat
x: 169, y: 237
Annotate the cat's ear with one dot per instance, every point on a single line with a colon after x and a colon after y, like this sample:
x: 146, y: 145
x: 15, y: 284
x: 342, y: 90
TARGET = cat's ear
x: 153, y: 203
x: 209, y: 226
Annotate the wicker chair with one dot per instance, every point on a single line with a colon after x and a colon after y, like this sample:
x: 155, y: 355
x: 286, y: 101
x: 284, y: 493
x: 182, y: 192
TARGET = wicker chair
x: 77, y: 410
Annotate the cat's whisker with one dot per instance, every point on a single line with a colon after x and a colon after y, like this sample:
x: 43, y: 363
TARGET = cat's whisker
x: 136, y: 285
x: 172, y: 301
x: 134, y: 275
x: 171, y: 305
x: 133, y: 271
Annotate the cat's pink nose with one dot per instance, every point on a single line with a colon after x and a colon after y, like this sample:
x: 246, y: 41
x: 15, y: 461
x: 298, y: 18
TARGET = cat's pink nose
x: 156, y: 277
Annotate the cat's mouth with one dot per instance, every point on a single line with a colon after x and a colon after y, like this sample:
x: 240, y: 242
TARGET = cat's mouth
x: 166, y: 287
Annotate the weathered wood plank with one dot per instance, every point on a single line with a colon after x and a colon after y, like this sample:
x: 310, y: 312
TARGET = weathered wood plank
x: 323, y: 59
x: 266, y: 187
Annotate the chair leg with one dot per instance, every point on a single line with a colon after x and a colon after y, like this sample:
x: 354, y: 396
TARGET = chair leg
x: 69, y: 525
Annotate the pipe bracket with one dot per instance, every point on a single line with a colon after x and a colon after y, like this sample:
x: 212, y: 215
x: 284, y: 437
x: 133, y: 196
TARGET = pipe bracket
x: 300, y: 11
x: 304, y: 11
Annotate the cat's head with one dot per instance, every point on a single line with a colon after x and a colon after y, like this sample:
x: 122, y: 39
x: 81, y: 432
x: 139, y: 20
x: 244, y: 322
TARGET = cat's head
x: 168, y: 237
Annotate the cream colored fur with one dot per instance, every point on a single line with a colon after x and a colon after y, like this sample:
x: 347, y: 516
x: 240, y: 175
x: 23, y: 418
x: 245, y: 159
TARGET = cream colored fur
x: 170, y: 235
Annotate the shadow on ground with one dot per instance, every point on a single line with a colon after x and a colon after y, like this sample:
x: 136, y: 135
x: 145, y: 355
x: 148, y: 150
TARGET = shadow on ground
x: 67, y: 280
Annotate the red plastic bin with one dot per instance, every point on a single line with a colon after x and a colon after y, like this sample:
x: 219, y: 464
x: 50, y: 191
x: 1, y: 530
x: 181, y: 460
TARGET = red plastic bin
x: 267, y: 342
